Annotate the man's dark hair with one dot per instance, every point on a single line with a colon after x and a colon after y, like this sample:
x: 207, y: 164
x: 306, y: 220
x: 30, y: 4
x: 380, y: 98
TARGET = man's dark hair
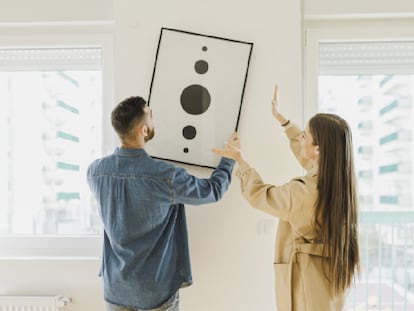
x: 127, y: 114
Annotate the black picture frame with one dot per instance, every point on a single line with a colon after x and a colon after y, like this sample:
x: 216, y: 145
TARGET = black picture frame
x: 196, y: 94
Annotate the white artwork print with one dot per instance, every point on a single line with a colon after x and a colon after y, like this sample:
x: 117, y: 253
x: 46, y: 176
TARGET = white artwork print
x: 196, y: 95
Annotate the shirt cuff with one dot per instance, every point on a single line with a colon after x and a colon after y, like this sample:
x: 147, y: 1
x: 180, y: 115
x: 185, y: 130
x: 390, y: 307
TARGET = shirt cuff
x: 289, y: 125
x: 227, y: 160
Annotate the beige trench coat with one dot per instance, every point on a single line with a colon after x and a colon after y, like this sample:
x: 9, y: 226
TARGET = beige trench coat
x: 300, y: 281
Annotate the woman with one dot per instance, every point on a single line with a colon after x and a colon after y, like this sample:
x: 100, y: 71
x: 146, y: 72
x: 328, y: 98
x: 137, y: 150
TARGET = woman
x: 316, y: 251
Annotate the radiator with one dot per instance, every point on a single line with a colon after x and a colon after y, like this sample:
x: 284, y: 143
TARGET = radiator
x: 33, y: 303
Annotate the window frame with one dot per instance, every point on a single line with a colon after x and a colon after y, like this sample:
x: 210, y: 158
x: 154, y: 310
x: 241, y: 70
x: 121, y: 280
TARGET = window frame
x: 97, y: 34
x: 318, y: 30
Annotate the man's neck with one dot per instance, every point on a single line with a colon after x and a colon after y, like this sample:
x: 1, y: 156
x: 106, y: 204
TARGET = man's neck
x: 133, y: 145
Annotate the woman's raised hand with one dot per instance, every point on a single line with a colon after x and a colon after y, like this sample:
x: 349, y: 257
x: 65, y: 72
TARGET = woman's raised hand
x: 276, y: 108
x: 275, y: 102
x: 231, y: 149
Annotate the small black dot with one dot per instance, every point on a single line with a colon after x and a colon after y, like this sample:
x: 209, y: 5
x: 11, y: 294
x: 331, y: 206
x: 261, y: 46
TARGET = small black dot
x: 185, y: 150
x: 201, y: 66
x: 204, y: 48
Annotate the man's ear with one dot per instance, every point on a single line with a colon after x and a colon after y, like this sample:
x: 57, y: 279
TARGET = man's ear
x: 144, y: 130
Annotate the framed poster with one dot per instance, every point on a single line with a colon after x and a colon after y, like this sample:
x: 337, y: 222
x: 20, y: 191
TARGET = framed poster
x: 196, y: 95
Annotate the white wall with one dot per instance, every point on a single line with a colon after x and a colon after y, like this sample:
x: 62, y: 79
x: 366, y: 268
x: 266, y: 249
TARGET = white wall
x: 231, y: 244
x: 77, y: 279
x: 51, y: 10
x: 231, y: 259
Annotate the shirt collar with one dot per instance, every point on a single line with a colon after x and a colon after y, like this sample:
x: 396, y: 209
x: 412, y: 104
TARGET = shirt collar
x: 313, y: 172
x: 139, y: 152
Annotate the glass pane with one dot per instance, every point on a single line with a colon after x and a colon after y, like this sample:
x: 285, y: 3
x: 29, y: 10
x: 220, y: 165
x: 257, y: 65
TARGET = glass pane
x: 379, y: 109
x: 50, y: 131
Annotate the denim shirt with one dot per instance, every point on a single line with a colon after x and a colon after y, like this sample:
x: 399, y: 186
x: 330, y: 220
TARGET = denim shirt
x: 141, y: 202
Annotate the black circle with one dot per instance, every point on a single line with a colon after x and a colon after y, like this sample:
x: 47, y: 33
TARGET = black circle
x: 195, y: 99
x: 185, y: 150
x: 201, y: 66
x: 204, y: 48
x: 189, y: 132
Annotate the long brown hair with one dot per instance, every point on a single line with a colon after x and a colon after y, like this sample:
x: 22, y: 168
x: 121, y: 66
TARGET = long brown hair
x: 336, y: 208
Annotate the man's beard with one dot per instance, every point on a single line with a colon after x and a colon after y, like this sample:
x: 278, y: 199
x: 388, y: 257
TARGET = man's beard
x: 151, y: 133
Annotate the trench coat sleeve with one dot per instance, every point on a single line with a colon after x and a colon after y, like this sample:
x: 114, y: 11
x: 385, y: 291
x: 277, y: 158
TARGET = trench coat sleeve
x: 271, y: 199
x: 293, y: 133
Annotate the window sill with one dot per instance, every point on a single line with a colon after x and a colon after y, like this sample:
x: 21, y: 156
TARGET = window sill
x: 50, y: 247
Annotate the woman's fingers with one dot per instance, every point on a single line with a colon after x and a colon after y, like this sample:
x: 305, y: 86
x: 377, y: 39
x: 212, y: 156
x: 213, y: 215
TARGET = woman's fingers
x: 276, y: 94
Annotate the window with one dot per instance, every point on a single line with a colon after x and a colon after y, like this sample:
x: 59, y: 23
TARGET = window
x: 53, y: 100
x: 52, y: 130
x: 371, y: 84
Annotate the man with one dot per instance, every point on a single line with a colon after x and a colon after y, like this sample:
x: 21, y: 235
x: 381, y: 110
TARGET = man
x: 141, y: 202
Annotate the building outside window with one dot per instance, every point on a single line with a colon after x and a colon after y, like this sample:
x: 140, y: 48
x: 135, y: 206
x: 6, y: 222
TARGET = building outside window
x: 51, y: 129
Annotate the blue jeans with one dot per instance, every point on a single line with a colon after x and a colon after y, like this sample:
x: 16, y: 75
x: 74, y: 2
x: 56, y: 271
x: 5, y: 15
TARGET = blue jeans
x: 171, y: 304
